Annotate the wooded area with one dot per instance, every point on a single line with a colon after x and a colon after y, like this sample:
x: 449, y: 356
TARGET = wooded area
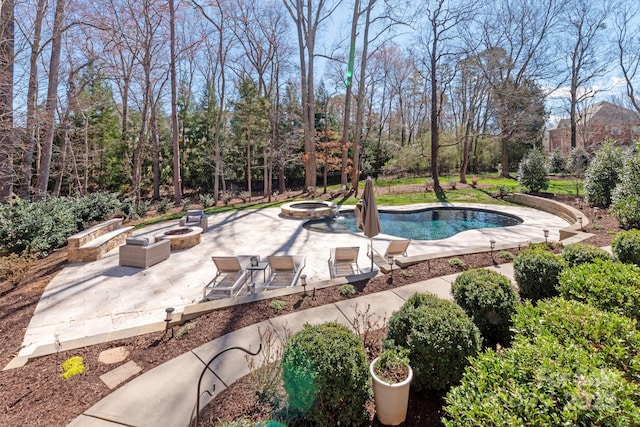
x: 149, y: 98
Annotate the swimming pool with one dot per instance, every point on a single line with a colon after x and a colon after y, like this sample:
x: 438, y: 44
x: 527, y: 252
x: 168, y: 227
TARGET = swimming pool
x: 424, y: 224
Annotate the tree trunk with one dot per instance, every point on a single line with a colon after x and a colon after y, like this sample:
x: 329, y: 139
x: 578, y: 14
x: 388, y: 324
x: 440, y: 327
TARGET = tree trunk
x: 7, y: 144
x: 32, y: 103
x: 347, y: 99
x: 155, y: 153
x: 177, y: 182
x: 50, y: 106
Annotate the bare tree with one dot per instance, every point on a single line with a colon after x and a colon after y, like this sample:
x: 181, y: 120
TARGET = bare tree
x: 514, y: 51
x: 587, y: 52
x: 216, y: 76
x: 7, y: 144
x: 52, y: 100
x: 177, y: 184
x: 308, y: 16
x: 627, y: 40
x: 443, y: 20
x: 32, y: 101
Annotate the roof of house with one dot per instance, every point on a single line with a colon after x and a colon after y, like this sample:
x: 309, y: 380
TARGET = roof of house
x: 603, y: 112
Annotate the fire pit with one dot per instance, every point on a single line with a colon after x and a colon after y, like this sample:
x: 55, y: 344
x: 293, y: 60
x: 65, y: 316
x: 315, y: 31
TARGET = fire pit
x: 181, y: 238
x: 312, y: 209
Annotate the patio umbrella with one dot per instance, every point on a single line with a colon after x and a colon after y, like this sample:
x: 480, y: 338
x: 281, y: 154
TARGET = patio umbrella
x: 367, y: 219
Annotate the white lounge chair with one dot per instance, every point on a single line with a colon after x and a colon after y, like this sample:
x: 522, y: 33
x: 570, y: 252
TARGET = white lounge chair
x: 231, y: 276
x: 343, y: 261
x: 285, y: 270
x: 396, y: 248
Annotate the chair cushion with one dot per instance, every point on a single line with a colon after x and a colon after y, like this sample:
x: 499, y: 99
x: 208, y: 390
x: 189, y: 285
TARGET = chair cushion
x: 193, y: 218
x: 138, y: 241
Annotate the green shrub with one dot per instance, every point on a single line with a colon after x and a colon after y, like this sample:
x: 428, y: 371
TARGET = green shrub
x: 163, y: 206
x: 536, y: 272
x: 277, y: 304
x: 626, y: 247
x: 573, y: 323
x: 626, y: 210
x: 602, y: 175
x: 625, y: 199
x: 37, y: 227
x: 578, y: 161
x: 532, y: 171
x: 546, y: 384
x: 440, y: 338
x: 346, y: 290
x: 490, y: 300
x: 458, y: 263
x: 505, y: 255
x: 556, y: 162
x: 326, y: 375
x: 128, y: 209
x: 607, y: 285
x: 207, y: 200
x: 580, y: 253
x: 97, y: 207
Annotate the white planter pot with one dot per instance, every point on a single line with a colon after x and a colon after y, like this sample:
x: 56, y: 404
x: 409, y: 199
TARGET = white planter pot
x: 391, y: 399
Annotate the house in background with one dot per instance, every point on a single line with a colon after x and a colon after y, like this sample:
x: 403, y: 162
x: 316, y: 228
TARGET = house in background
x: 596, y: 123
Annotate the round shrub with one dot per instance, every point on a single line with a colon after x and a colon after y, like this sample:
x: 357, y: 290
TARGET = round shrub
x: 325, y: 375
x: 625, y: 200
x: 546, y: 384
x: 532, y: 171
x: 580, y: 253
x: 626, y: 247
x: 607, y: 285
x: 536, y: 272
x: 440, y: 339
x: 490, y: 300
x: 573, y: 323
x: 602, y: 175
x: 626, y: 210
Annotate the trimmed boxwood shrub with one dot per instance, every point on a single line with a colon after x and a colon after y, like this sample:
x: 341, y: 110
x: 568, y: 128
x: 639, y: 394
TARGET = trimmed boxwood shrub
x: 490, y: 300
x: 326, y: 376
x: 570, y: 323
x: 536, y: 272
x: 546, y: 384
x: 440, y: 338
x: 580, y: 253
x: 626, y: 246
x: 607, y: 285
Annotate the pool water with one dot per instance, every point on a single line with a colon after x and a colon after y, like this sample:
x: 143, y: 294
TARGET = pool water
x: 425, y: 224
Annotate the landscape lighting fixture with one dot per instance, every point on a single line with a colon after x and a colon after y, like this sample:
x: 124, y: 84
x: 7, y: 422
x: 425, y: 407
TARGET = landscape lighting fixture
x: 546, y: 236
x: 303, y: 281
x: 580, y: 222
x: 492, y: 244
x: 169, y: 316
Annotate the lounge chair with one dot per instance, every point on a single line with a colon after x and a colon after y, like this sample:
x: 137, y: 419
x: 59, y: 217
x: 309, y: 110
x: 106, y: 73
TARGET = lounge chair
x: 343, y: 261
x: 195, y: 218
x: 396, y: 248
x: 230, y: 277
x: 285, y: 270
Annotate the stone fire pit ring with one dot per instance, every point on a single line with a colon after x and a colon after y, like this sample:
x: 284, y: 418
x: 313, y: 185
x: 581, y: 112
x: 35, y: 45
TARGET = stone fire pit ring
x: 181, y: 237
x: 308, y: 209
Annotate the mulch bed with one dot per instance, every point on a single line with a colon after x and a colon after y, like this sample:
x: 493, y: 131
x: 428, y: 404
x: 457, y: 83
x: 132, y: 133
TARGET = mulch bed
x: 37, y: 395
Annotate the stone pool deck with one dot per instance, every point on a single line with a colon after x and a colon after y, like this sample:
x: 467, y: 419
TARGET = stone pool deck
x: 94, y: 302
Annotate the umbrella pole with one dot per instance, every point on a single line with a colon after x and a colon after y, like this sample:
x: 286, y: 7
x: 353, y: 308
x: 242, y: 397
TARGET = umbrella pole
x: 371, y: 249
